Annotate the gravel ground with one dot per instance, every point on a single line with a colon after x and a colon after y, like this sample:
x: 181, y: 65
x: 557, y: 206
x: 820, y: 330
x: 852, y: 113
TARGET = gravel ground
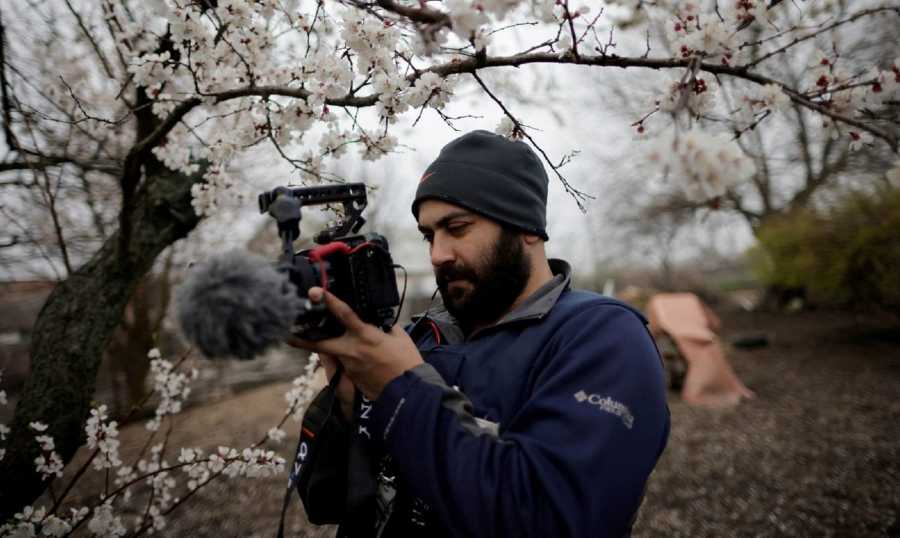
x: 817, y: 453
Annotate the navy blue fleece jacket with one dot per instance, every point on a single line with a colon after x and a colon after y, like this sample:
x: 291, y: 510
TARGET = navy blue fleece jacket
x: 546, y: 424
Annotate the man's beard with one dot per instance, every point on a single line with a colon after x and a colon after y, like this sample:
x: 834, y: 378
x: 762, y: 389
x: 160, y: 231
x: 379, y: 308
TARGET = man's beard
x: 498, y: 280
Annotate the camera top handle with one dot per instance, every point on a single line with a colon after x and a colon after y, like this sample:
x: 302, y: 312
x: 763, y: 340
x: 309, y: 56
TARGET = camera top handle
x: 284, y: 203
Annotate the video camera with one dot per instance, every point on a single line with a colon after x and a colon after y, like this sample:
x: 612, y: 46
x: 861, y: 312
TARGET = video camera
x: 358, y: 269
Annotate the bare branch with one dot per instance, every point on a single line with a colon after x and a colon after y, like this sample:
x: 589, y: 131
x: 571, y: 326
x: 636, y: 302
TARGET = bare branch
x: 578, y: 195
x: 106, y: 67
x: 851, y: 18
x: 40, y: 162
x: 422, y: 15
x: 4, y: 89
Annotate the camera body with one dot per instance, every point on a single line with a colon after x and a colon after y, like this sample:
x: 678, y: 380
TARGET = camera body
x: 357, y: 268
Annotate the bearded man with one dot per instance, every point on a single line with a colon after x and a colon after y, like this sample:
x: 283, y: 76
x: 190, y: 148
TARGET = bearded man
x: 515, y: 406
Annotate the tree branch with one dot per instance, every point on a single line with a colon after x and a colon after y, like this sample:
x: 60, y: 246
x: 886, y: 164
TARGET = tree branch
x: 422, y: 15
x: 106, y: 67
x: 811, y: 35
x: 470, y: 65
x: 4, y: 89
x: 49, y: 161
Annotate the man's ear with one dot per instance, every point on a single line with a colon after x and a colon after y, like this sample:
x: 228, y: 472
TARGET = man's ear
x: 531, y: 239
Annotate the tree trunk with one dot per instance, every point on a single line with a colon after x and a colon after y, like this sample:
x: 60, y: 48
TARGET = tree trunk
x: 74, y: 327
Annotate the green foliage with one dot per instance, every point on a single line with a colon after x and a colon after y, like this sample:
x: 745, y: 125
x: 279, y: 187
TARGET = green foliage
x: 847, y: 254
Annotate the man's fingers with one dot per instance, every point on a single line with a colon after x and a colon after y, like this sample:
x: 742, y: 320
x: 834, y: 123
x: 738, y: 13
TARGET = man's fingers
x: 328, y: 362
x: 315, y: 294
x: 332, y: 346
x: 299, y: 343
x: 344, y: 313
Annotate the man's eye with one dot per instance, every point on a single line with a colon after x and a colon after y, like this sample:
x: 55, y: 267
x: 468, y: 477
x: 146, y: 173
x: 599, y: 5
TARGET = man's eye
x: 427, y: 238
x: 457, y: 229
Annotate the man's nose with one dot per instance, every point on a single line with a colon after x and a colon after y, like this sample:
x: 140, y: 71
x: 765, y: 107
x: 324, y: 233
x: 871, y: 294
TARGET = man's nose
x: 441, y: 252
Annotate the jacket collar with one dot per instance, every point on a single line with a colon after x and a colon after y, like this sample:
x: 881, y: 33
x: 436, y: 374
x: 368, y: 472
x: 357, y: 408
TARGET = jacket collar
x: 536, y: 306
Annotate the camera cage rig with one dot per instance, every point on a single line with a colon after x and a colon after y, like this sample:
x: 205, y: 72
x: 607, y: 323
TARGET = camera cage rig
x: 284, y: 204
x: 357, y: 268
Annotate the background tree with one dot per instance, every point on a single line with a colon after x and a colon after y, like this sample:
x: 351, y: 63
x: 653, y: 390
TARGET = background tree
x: 802, y: 159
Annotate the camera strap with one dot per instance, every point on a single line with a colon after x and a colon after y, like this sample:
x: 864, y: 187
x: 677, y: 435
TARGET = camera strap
x: 361, y: 483
x: 312, y: 425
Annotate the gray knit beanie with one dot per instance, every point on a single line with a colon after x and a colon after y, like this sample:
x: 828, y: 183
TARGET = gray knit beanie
x: 494, y: 176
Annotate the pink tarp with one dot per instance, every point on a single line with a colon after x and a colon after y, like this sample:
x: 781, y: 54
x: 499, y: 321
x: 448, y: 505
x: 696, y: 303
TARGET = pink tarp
x: 684, y: 318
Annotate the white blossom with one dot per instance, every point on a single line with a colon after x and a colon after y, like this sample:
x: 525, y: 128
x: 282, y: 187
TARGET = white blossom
x: 153, y: 424
x: 334, y: 142
x: 565, y: 42
x: 375, y: 148
x: 54, y: 526
x: 4, y: 431
x: 704, y: 35
x: 105, y: 523
x: 426, y: 44
x: 465, y: 18
x: 125, y: 474
x: 46, y: 442
x: 481, y: 39
x: 430, y: 89
x: 261, y: 463
x: 373, y: 41
x: 77, y: 514
x: 704, y: 166
x: 188, y: 455
x: 219, y: 190
x: 545, y: 10
x: 22, y: 529
x: 198, y: 470
x: 505, y: 127
x: 759, y: 99
x: 331, y: 76
x: 696, y: 96
x: 773, y: 97
x: 103, y: 436
x: 171, y: 386
x: 276, y: 434
x: 151, y: 70
x: 23, y: 523
x: 49, y: 465
x: 302, y: 389
x: 745, y: 11
x: 859, y: 139
x: 885, y: 86
x: 390, y: 90
x: 37, y: 426
x: 175, y: 153
x: 29, y: 513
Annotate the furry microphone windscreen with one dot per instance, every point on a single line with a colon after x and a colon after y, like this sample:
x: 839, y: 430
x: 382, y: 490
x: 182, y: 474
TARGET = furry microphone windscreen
x: 236, y: 305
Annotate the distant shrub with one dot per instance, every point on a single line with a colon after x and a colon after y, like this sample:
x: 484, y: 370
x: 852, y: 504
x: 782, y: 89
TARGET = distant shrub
x: 847, y: 254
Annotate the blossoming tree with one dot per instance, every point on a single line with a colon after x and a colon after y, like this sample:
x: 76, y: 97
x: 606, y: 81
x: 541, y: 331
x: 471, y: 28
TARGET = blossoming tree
x: 155, y: 100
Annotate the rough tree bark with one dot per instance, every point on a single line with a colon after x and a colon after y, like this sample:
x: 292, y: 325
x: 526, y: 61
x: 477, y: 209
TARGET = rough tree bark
x: 75, y: 325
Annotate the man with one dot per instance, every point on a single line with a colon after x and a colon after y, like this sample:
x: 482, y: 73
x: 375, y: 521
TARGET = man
x: 516, y: 406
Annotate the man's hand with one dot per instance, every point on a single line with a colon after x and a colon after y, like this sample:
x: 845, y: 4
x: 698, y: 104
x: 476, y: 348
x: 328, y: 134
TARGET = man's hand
x: 371, y: 357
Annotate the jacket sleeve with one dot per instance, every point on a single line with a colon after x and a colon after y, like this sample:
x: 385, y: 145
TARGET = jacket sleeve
x: 572, y: 462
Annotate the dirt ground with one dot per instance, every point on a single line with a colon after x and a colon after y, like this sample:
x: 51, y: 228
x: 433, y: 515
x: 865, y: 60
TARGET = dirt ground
x: 817, y: 453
